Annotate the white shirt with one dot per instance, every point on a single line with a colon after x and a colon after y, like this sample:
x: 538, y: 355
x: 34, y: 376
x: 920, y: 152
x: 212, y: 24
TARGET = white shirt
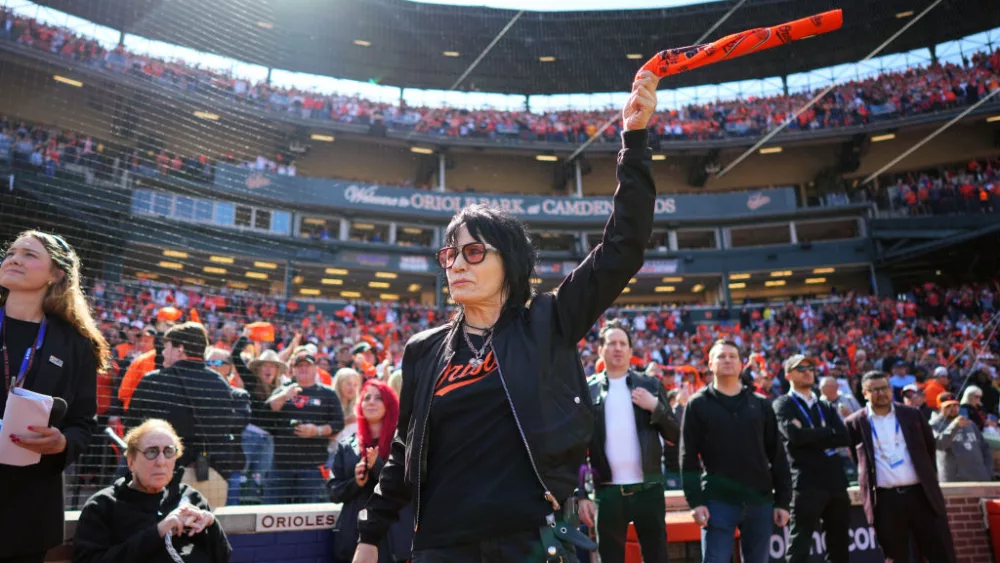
x: 621, y: 442
x: 891, y: 445
x: 809, y: 399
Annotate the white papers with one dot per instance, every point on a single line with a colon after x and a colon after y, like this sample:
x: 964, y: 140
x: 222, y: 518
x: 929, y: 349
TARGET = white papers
x: 24, y: 408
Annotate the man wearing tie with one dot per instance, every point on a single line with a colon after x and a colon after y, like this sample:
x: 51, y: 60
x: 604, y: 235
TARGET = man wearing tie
x: 812, y: 430
x: 894, y: 448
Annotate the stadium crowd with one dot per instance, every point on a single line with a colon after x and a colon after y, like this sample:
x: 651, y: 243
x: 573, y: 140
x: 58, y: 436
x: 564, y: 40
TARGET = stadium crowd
x: 917, y: 90
x: 972, y: 188
x: 930, y: 338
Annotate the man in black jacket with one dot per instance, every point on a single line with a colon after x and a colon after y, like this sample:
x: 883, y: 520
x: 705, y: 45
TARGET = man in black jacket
x: 631, y: 413
x: 812, y: 431
x: 208, y: 414
x: 734, y: 469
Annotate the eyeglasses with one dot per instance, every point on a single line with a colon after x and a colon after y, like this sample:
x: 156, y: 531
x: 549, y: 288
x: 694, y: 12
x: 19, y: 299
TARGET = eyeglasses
x: 154, y: 452
x: 216, y: 363
x: 883, y: 389
x: 805, y: 369
x: 473, y: 253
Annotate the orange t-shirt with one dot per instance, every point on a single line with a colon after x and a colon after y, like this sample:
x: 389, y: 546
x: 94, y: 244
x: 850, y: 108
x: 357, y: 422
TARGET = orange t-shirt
x: 932, y: 389
x: 134, y: 374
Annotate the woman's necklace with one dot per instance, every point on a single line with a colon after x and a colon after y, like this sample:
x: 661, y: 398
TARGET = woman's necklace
x: 477, y: 359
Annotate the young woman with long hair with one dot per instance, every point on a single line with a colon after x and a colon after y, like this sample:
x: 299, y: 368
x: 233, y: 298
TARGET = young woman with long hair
x: 356, y: 464
x: 49, y: 344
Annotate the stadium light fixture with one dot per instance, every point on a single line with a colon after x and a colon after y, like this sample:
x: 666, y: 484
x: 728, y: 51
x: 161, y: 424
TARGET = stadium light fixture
x: 627, y: 290
x: 903, y: 15
x: 536, y: 281
x: 815, y: 280
x: 362, y: 43
x: 739, y: 276
x: 336, y: 271
x: 67, y: 81
x: 175, y: 254
x: 634, y: 56
x: 546, y: 158
x: 824, y: 270
x: 309, y: 291
x: 737, y: 285
x: 451, y: 53
x: 993, y: 119
x: 266, y: 265
x: 698, y: 288
x: 386, y: 275
x: 414, y: 287
x: 313, y: 221
x: 298, y: 280
x: 172, y: 265
x: 673, y: 280
x: 324, y: 138
x: 332, y: 281
x: 238, y: 285
x: 771, y: 150
x: 207, y: 115
x: 221, y: 259
x: 659, y: 157
x: 265, y: 25
x: 350, y: 294
x: 665, y: 289
x: 781, y: 274
x: 214, y: 270
x: 257, y: 275
x: 421, y: 150
x: 775, y: 283
x: 413, y: 231
x: 364, y: 226
x: 546, y: 59
x: 885, y: 137
x: 378, y: 285
x: 388, y: 297
x: 632, y: 281
x: 194, y: 281
x: 147, y: 276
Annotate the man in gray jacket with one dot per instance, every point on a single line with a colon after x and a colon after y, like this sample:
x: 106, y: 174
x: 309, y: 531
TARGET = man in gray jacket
x: 962, y: 454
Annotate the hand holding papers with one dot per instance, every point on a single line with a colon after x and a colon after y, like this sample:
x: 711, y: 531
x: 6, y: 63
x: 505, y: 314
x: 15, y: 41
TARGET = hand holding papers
x: 24, y: 408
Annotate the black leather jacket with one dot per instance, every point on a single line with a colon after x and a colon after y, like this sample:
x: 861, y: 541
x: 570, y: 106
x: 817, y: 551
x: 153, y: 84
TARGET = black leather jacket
x: 538, y: 362
x: 648, y: 425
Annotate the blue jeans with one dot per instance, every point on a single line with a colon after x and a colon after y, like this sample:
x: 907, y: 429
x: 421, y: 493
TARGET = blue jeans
x: 259, y: 452
x: 755, y: 522
x: 299, y: 485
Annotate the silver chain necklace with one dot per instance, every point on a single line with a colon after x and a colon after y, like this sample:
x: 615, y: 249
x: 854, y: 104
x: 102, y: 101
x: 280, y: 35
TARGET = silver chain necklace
x: 478, y: 354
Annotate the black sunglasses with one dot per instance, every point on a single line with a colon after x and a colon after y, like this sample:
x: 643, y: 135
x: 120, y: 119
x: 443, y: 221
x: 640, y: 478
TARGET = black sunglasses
x: 154, y: 452
x: 473, y: 253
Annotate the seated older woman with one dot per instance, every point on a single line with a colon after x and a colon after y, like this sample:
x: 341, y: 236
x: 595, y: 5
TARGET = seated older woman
x: 150, y: 516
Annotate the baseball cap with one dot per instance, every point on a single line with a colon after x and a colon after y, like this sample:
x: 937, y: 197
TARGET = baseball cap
x: 361, y: 347
x: 302, y: 354
x: 911, y: 387
x: 797, y: 360
x: 946, y: 404
x: 940, y: 371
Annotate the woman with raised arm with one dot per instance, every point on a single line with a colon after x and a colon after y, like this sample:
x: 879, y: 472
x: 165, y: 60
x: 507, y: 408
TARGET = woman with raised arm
x: 49, y: 344
x: 495, y: 415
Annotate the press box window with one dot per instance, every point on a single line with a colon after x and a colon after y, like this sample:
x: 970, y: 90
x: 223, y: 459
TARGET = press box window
x: 243, y: 216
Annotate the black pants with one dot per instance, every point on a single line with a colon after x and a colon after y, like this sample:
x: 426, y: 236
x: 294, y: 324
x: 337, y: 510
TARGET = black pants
x: 645, y: 509
x: 521, y: 547
x: 904, y: 513
x: 808, y: 507
x: 29, y: 558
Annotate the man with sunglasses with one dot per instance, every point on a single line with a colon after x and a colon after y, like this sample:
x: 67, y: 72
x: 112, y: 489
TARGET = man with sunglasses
x: 812, y: 431
x: 208, y: 414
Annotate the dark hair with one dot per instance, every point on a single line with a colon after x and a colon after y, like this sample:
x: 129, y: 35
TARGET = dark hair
x: 192, y: 336
x: 873, y: 374
x: 510, y: 237
x: 614, y: 324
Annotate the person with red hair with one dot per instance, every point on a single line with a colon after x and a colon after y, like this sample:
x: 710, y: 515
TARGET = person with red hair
x: 356, y: 465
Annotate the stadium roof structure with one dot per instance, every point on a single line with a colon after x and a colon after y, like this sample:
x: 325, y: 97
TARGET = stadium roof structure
x: 428, y: 46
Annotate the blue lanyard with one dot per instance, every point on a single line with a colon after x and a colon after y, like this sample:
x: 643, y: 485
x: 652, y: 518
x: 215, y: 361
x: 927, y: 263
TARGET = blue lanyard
x: 29, y: 354
x: 802, y: 407
x: 871, y: 422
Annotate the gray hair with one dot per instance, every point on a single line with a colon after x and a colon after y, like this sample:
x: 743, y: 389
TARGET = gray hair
x: 971, y: 391
x: 827, y: 380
